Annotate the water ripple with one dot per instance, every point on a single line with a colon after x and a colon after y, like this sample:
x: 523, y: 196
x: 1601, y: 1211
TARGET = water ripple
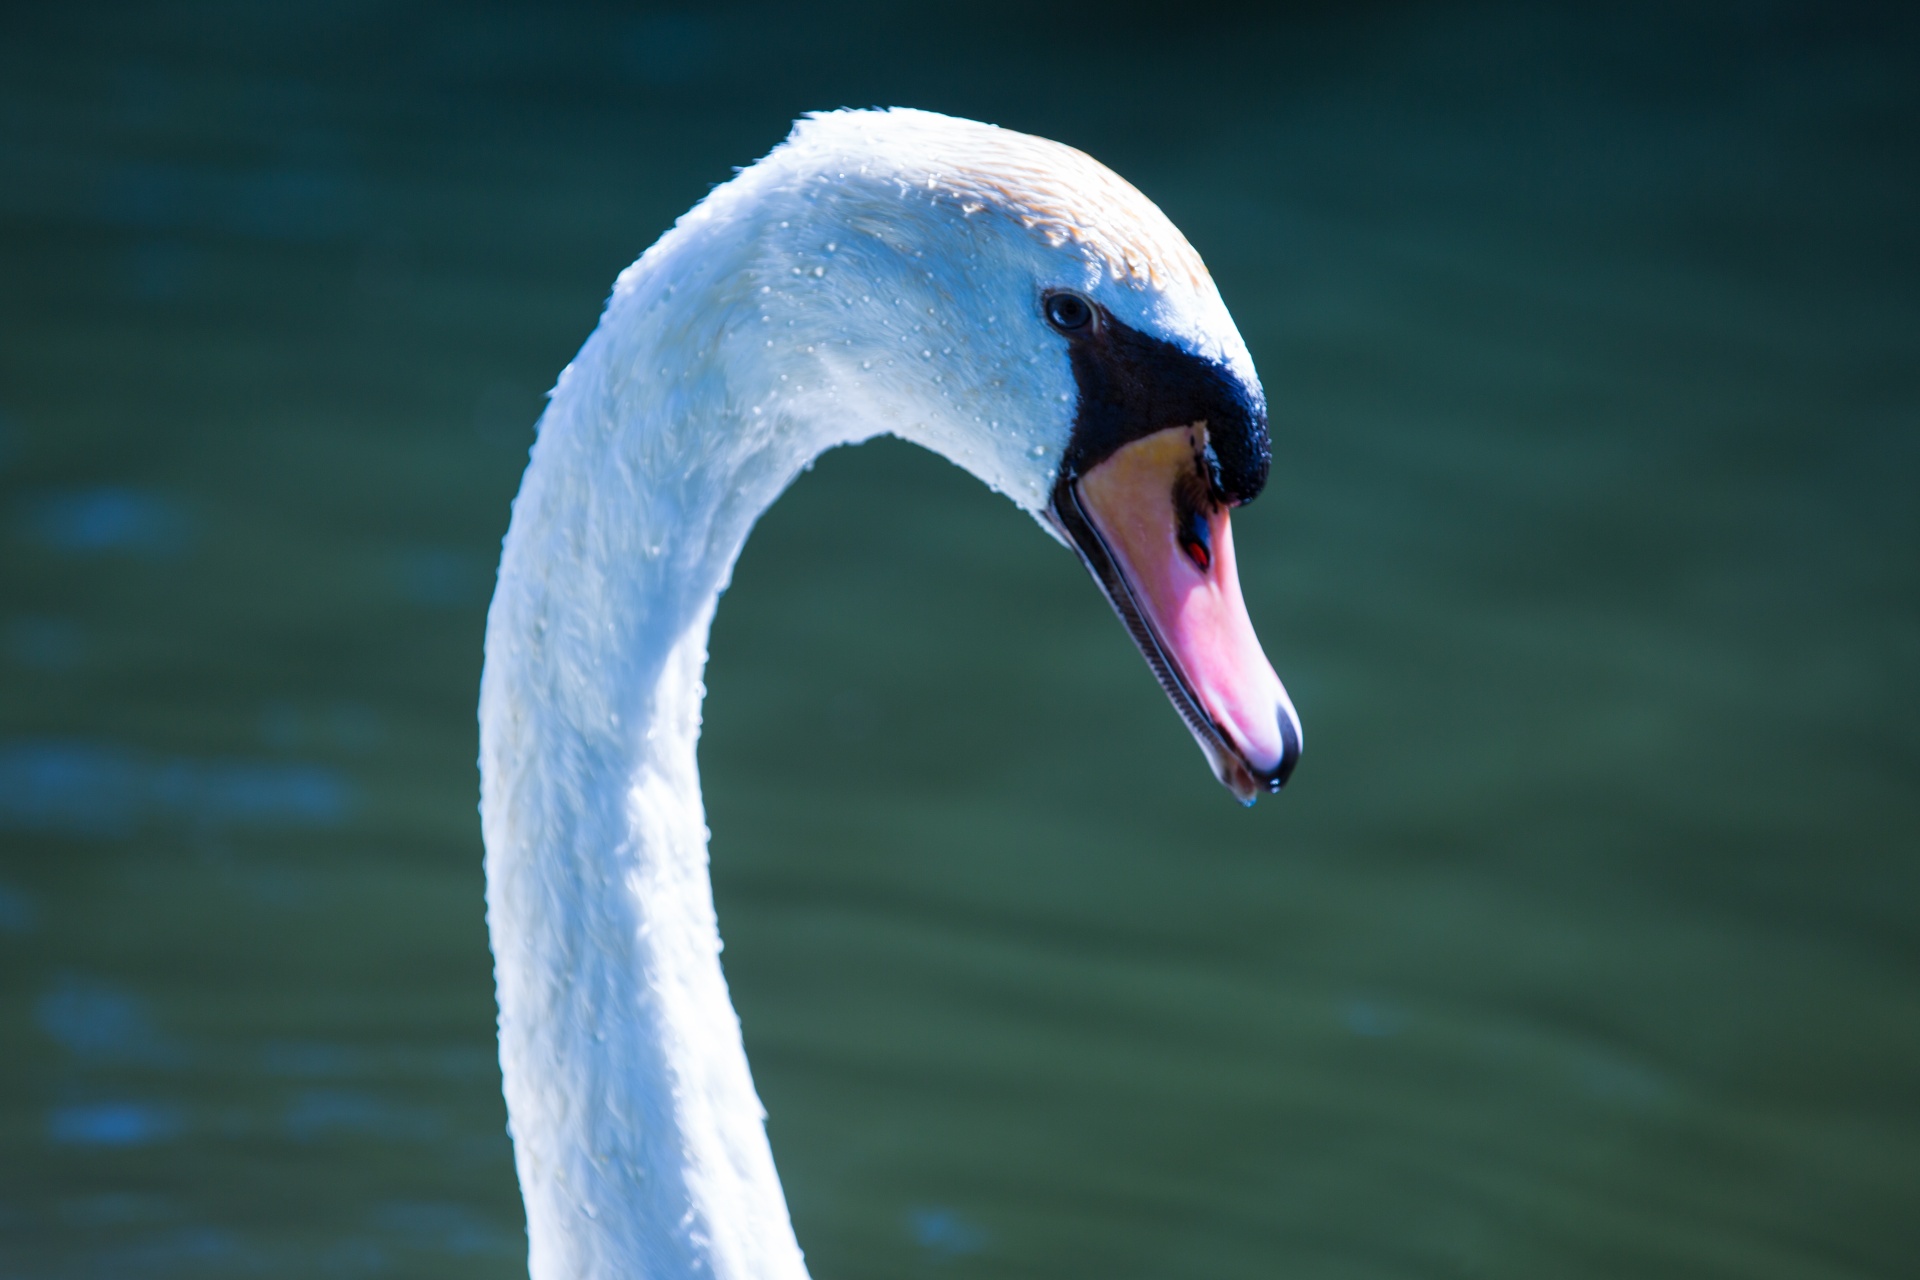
x: 98, y: 1023
x: 96, y: 789
x: 107, y: 519
x: 113, y: 1124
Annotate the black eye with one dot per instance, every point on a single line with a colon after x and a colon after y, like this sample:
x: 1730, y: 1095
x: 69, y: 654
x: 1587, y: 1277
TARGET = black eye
x: 1068, y: 311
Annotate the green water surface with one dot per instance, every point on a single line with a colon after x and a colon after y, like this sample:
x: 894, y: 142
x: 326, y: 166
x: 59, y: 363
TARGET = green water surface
x: 1586, y: 942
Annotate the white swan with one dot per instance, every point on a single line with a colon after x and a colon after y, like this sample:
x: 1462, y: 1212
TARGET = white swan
x: 1003, y: 300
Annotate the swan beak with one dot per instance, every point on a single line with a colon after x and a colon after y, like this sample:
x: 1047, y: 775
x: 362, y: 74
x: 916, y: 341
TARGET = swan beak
x: 1149, y: 524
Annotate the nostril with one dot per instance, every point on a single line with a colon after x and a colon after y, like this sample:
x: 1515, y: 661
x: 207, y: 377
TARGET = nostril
x: 1195, y: 533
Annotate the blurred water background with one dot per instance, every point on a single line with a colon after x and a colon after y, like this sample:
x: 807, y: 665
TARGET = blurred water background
x: 1585, y: 944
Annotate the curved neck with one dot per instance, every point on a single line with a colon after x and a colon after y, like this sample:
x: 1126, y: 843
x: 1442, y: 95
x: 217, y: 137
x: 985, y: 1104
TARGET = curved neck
x: 810, y: 302
x: 637, y: 1133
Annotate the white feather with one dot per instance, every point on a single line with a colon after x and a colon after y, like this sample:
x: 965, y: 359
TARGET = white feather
x: 878, y: 272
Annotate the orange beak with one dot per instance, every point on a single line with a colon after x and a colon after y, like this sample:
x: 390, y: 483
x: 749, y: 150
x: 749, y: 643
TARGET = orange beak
x: 1150, y: 527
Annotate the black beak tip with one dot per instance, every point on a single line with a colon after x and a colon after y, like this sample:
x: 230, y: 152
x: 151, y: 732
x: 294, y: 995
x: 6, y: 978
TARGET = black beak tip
x: 1290, y: 748
x: 1247, y: 783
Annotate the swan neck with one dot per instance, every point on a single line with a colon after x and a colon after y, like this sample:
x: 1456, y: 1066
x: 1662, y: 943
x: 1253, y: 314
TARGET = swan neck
x: 639, y: 1140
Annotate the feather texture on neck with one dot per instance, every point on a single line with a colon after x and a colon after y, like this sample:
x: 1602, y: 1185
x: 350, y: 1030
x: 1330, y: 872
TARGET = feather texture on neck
x: 879, y: 272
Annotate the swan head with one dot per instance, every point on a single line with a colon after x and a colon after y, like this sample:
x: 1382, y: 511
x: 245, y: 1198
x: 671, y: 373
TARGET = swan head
x: 1011, y: 303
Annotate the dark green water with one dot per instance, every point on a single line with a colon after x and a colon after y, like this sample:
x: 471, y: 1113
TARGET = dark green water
x: 1585, y: 944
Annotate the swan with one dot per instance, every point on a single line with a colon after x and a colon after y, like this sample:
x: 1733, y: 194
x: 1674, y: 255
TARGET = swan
x: 1003, y: 300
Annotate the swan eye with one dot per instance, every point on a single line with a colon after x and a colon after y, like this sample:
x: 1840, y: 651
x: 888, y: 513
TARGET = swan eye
x: 1068, y: 311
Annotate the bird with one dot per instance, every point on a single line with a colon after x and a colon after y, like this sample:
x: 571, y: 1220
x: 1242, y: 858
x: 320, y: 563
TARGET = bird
x: 1001, y: 299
